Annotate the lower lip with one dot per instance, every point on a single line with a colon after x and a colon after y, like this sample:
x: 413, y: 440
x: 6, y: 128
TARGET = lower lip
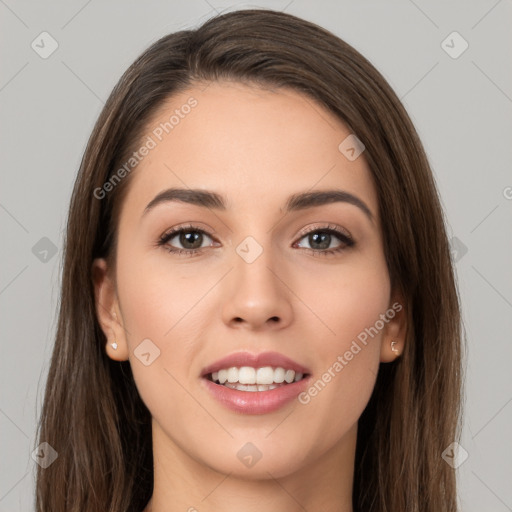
x: 255, y: 402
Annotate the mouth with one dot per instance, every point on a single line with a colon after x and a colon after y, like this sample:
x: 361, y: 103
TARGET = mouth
x: 255, y: 383
x: 247, y: 378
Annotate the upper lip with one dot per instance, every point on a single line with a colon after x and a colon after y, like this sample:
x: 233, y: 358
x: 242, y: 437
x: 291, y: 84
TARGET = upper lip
x: 239, y: 359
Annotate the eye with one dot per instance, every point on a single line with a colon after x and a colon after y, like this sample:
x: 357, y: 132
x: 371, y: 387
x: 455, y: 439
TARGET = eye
x: 320, y: 239
x: 190, y: 237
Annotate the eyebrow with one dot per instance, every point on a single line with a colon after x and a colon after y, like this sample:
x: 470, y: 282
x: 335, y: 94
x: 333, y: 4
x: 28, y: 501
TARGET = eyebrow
x: 296, y: 202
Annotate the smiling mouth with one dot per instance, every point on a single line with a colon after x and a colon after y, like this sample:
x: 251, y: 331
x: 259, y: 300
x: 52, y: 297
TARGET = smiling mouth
x: 247, y: 378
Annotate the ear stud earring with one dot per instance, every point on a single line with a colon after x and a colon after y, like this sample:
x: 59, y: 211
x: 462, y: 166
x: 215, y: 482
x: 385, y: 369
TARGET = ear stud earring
x: 114, y: 345
x: 393, y: 348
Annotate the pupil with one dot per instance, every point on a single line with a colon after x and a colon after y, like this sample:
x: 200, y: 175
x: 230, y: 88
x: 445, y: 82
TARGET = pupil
x: 325, y: 237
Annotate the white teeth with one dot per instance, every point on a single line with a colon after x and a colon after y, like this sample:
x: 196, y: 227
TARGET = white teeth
x: 279, y: 375
x: 265, y: 375
x: 232, y: 374
x: 289, y: 376
x: 256, y: 387
x: 253, y: 377
x: 247, y: 375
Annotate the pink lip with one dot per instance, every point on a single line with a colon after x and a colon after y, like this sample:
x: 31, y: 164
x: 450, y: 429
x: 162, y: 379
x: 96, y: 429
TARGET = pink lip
x: 239, y: 359
x: 255, y: 402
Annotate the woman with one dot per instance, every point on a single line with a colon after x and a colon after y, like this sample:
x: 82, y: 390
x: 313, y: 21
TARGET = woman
x: 258, y: 306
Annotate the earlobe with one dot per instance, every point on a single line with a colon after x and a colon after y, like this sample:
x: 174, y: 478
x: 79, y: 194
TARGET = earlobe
x: 393, y: 339
x: 116, y: 349
x: 107, y: 311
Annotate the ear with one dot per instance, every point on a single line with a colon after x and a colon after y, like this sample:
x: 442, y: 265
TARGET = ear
x: 395, y: 329
x: 108, y: 312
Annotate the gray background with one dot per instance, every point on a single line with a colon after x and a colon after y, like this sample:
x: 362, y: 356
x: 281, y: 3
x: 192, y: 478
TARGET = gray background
x: 460, y: 106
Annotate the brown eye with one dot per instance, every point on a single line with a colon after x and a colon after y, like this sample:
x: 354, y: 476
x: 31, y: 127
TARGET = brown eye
x: 190, y: 238
x: 320, y: 240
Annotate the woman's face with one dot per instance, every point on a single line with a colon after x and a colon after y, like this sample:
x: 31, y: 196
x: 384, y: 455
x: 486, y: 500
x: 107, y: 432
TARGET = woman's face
x: 264, y: 277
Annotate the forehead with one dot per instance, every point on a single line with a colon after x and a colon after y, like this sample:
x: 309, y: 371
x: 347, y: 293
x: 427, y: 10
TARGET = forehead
x: 255, y: 146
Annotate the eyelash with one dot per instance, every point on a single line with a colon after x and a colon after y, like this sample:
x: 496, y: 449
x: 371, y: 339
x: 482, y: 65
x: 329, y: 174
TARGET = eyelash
x: 329, y: 229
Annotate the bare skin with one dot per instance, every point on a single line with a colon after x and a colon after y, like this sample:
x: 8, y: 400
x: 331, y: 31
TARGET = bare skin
x: 256, y: 148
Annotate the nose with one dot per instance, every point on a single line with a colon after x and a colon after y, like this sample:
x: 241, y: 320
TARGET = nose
x: 257, y: 295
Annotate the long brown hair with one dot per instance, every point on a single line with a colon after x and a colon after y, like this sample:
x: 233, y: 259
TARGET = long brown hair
x: 93, y: 415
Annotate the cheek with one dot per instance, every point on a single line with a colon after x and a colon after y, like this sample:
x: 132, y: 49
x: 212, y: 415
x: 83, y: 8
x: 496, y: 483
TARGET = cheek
x: 160, y: 305
x: 347, y: 351
x: 343, y: 303
x: 157, y: 300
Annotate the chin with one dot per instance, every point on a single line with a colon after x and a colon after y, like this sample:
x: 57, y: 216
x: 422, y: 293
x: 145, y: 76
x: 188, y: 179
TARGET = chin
x: 257, y: 457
